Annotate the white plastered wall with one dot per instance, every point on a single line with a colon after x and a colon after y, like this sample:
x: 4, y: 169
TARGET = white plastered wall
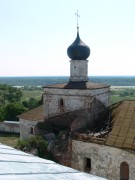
x: 73, y: 99
x: 105, y: 160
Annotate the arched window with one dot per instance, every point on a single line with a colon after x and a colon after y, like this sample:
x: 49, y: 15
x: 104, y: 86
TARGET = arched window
x: 32, y: 130
x: 61, y: 105
x: 61, y: 102
x: 124, y: 171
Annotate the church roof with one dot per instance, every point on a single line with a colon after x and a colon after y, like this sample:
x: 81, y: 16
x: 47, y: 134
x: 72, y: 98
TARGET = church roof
x: 35, y: 114
x: 123, y: 131
x: 78, y: 85
x: 122, y: 134
x: 15, y: 164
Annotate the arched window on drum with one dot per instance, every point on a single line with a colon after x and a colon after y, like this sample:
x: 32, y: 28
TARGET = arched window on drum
x: 61, y: 105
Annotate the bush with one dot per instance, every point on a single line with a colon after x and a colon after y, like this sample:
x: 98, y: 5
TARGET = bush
x: 36, y: 142
x: 22, y: 144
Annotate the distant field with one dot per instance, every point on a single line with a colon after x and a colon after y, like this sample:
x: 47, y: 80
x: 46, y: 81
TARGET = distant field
x: 9, y: 139
x: 37, y: 94
x: 120, y: 93
x: 117, y: 98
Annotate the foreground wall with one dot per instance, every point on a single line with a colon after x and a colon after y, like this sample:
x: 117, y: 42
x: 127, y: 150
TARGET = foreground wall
x: 10, y: 126
x: 17, y: 165
x: 105, y: 160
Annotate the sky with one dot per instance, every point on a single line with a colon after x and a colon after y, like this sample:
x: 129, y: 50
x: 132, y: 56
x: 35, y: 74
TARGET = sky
x: 35, y: 35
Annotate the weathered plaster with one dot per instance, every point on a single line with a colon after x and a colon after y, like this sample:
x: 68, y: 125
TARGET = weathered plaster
x: 105, y: 160
x: 79, y: 119
x: 78, y: 70
x: 25, y: 128
x: 73, y: 99
x: 10, y: 126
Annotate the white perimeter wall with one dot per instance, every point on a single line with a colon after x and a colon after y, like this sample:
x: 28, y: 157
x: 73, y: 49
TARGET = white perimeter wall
x: 10, y: 126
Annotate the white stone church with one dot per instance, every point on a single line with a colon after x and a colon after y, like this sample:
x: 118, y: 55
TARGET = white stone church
x: 79, y: 104
x: 78, y: 93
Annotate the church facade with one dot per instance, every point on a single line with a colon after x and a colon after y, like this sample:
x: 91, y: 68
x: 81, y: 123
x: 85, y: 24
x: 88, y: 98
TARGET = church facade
x: 78, y: 93
x: 79, y: 104
x: 107, y: 153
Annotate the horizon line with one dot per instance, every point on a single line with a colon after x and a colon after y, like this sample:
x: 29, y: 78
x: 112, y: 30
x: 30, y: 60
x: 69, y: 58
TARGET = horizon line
x: 69, y: 76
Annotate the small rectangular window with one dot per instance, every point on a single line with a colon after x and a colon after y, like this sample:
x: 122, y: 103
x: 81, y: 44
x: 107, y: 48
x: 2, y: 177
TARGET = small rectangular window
x: 61, y: 102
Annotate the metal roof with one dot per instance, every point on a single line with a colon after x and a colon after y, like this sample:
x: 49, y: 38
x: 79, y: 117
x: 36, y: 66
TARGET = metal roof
x: 122, y: 134
x: 15, y: 164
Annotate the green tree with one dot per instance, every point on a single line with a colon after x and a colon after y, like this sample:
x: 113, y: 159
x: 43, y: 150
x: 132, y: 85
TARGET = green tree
x: 32, y: 103
x: 2, y: 118
x: 9, y: 94
x: 13, y: 94
x: 36, y: 142
x: 11, y: 110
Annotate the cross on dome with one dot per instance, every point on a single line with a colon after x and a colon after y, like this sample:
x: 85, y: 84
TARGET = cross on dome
x: 78, y: 50
x: 77, y: 15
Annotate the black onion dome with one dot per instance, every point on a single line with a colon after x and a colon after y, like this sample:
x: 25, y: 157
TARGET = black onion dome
x: 78, y: 50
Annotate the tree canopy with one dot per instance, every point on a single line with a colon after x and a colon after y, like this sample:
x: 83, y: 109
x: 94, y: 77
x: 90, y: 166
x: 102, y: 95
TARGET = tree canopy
x: 10, y: 102
x: 9, y: 94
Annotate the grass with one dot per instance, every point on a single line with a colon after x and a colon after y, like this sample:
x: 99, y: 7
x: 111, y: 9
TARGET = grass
x: 9, y: 139
x: 31, y: 94
x: 117, y: 98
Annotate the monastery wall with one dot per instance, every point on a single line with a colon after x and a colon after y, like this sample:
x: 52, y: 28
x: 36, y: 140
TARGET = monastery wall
x: 104, y: 161
x: 10, y: 127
